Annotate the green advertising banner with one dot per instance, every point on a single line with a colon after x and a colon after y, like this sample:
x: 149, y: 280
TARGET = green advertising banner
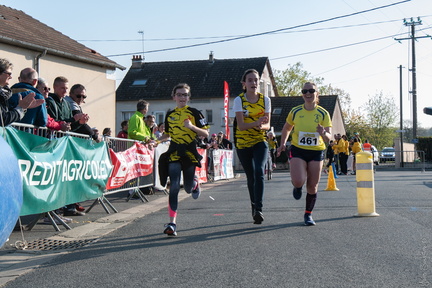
x: 59, y: 171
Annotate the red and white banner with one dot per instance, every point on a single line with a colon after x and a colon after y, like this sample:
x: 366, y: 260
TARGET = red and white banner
x: 134, y: 162
x: 202, y: 172
x: 226, y: 109
x: 223, y: 164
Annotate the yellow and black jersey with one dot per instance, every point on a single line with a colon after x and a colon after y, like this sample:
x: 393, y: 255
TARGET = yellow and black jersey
x: 175, y: 128
x: 272, y: 143
x: 251, y: 113
x: 305, y: 123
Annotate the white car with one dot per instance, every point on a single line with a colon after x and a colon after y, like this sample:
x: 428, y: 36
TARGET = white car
x: 375, y: 155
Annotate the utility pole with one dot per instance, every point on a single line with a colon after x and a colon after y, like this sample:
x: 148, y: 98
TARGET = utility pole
x: 401, y: 115
x: 413, y: 38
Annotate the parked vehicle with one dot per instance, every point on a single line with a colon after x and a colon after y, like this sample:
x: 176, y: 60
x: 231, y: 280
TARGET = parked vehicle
x: 375, y: 155
x: 387, y: 154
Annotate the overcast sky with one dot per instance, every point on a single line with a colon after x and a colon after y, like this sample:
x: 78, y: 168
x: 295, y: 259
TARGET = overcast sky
x: 335, y: 39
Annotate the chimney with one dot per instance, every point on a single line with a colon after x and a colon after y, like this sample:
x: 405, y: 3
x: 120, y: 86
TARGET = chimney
x: 211, y: 57
x: 137, y: 62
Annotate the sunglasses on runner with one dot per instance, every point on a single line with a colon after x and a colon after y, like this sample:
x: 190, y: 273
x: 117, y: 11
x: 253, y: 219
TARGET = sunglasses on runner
x: 304, y: 91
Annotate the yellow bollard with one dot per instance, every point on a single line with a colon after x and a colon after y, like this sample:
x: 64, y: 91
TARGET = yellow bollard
x: 331, y: 182
x: 365, y: 185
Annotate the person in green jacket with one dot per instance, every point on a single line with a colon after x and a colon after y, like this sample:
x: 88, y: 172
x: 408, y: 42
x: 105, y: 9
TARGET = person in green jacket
x: 137, y: 129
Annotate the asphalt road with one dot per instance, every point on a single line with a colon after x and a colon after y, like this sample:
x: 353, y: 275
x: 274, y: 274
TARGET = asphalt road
x: 218, y: 246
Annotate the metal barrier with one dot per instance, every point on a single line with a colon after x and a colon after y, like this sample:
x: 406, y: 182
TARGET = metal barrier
x: 404, y: 159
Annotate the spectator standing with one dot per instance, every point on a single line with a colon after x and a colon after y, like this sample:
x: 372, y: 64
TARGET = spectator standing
x: 343, y: 155
x: 252, y: 119
x: 124, y: 130
x: 223, y: 142
x: 137, y: 129
x: 273, y: 145
x: 60, y: 109
x: 312, y: 128
x: 183, y: 125
x: 329, y: 156
x: 10, y: 115
x: 106, y: 132
x: 357, y: 135
x: 355, y: 149
x: 28, y: 80
x: 76, y: 98
x: 43, y: 88
x: 337, y: 148
x: 150, y: 121
x: 160, y: 130
x: 367, y: 147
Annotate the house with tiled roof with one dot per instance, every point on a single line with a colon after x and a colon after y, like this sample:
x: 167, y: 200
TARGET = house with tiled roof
x: 27, y: 42
x: 154, y: 81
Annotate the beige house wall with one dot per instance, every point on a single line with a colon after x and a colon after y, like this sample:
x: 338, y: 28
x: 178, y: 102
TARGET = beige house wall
x: 99, y: 82
x: 337, y: 122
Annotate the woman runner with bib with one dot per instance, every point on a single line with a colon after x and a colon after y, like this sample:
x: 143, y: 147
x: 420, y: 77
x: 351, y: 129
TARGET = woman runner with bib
x: 312, y: 125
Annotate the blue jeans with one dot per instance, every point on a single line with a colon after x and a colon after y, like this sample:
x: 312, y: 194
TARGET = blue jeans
x: 174, y: 172
x: 253, y: 160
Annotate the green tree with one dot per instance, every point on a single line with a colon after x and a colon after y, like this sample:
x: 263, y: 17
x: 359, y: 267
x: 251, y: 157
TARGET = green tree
x: 381, y: 113
x: 290, y: 82
x: 344, y: 98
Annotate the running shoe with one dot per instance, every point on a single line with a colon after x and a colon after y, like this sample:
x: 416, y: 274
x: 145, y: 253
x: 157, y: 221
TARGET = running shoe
x: 258, y: 217
x: 308, y: 220
x: 196, y: 191
x: 297, y: 193
x: 78, y: 207
x: 170, y: 229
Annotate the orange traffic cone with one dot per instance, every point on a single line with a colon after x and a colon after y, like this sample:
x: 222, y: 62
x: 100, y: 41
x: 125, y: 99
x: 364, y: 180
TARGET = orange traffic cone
x: 331, y: 182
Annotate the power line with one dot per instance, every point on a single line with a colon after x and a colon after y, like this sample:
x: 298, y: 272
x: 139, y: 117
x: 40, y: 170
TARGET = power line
x: 265, y: 33
x: 229, y: 36
x: 341, y: 46
x: 361, y: 58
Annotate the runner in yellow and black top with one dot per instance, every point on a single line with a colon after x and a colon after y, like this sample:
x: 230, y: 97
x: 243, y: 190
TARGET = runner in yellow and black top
x: 182, y: 125
x: 252, y: 110
x: 310, y: 125
x: 273, y: 145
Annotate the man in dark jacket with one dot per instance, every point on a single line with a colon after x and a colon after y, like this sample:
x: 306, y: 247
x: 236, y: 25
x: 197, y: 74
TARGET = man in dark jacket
x: 28, y: 80
x: 9, y: 115
x: 60, y: 109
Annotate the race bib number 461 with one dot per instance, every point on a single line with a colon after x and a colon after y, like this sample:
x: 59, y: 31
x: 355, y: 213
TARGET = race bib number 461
x: 308, y: 138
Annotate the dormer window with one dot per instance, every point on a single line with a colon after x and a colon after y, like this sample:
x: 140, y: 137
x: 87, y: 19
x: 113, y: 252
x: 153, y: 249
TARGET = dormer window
x: 277, y: 111
x: 139, y: 82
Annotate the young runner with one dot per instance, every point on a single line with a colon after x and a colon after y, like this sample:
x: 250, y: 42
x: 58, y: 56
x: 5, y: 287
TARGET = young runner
x: 182, y: 125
